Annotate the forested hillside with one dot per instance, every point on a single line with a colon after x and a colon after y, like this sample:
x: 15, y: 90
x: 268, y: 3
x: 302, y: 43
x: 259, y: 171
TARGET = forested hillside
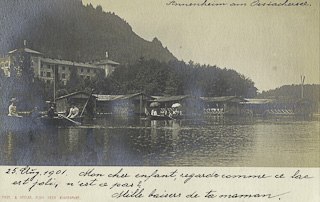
x: 311, y: 92
x: 177, y: 78
x: 69, y: 30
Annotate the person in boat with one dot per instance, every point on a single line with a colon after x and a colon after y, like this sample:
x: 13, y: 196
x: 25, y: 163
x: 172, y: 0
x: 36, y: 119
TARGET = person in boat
x: 13, y: 108
x: 35, y: 113
x: 51, y: 111
x: 74, y: 111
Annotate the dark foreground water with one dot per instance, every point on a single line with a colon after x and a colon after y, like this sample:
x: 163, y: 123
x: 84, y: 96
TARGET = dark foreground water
x: 212, y: 141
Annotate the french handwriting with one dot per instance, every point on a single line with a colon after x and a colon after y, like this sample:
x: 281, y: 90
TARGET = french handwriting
x: 121, y: 183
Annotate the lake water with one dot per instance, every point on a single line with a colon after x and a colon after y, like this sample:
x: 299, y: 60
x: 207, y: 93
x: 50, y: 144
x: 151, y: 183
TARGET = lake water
x: 215, y: 141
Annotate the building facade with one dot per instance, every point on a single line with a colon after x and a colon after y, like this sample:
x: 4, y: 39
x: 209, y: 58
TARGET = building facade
x: 48, y: 69
x: 108, y: 65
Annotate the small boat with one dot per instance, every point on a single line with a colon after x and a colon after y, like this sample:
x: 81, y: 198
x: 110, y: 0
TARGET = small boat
x: 166, y: 117
x: 60, y: 121
x: 177, y: 116
x: 14, y: 123
x: 160, y: 117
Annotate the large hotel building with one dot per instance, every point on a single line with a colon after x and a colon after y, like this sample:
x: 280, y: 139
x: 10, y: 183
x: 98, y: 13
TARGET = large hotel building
x: 44, y: 68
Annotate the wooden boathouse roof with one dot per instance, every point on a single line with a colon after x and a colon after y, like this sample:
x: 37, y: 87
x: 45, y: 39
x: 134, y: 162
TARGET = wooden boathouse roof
x: 257, y: 101
x: 170, y: 98
x: 105, y: 98
x: 281, y: 100
x: 223, y: 99
x: 79, y: 94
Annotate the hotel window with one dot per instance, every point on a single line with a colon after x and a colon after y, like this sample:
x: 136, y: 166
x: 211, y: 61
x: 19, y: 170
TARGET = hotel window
x: 41, y: 73
x: 6, y: 65
x: 48, y: 82
x: 41, y: 65
x: 81, y: 70
x: 63, y: 67
x: 63, y: 76
x: 94, y: 71
x: 48, y: 74
x: 1, y: 65
x: 49, y: 66
x: 88, y: 77
x: 88, y: 70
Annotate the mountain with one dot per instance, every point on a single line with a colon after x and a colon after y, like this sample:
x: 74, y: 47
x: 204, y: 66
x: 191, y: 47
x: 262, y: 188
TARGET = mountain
x: 311, y: 92
x: 69, y: 30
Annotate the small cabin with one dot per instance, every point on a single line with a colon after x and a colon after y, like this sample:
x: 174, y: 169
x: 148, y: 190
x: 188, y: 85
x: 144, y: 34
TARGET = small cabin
x: 284, y: 106
x: 80, y: 100
x: 190, y: 105
x: 122, y: 104
x: 226, y: 105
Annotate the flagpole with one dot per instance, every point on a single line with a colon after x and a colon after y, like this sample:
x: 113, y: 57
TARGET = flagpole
x: 54, y: 83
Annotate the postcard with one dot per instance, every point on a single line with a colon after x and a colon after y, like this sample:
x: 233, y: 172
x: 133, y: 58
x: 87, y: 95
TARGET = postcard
x: 159, y: 100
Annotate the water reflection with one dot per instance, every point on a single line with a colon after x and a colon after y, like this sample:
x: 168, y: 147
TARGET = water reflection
x: 214, y: 141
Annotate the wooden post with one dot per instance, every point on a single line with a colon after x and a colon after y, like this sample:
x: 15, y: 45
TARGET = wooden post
x: 141, y: 98
x: 302, y: 82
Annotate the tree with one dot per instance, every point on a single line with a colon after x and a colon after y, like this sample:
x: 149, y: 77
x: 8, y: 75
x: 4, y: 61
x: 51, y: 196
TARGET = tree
x: 75, y: 82
x: 22, y: 84
x: 173, y: 84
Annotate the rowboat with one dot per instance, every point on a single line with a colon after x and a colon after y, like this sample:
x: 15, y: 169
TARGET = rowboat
x: 159, y: 117
x: 61, y: 121
x: 166, y: 117
x: 13, y: 123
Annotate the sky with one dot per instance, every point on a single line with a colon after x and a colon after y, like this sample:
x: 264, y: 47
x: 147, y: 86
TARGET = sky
x: 273, y: 46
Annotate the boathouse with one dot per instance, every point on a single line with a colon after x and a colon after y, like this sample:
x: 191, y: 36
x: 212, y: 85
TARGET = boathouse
x: 257, y: 106
x: 226, y: 105
x: 190, y: 105
x: 284, y: 106
x: 122, y: 104
x: 79, y: 99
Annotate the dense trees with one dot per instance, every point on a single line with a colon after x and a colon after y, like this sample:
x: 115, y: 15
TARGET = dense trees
x: 21, y: 84
x: 160, y: 78
x: 176, y: 78
x: 72, y: 31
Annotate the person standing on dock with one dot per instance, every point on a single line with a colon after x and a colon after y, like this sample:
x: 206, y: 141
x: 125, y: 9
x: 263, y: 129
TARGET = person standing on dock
x: 74, y: 111
x: 13, y: 108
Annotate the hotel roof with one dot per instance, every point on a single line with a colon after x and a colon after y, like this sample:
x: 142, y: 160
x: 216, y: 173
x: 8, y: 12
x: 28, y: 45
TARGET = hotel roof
x: 28, y: 50
x: 66, y: 62
x: 106, y: 62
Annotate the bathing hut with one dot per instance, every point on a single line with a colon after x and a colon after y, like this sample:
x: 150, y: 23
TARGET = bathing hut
x: 122, y: 104
x: 284, y: 106
x: 80, y: 99
x: 226, y: 105
x: 189, y: 105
